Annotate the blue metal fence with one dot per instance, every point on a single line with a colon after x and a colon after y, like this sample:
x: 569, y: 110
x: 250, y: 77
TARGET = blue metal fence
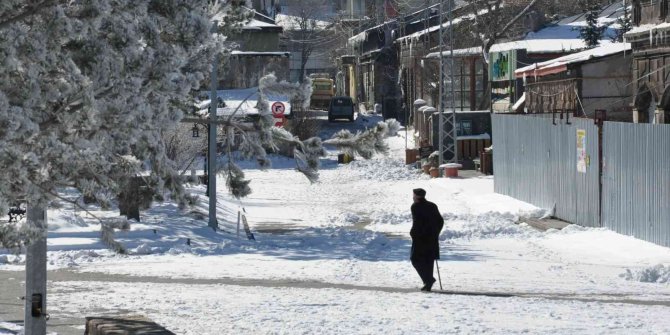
x: 535, y: 159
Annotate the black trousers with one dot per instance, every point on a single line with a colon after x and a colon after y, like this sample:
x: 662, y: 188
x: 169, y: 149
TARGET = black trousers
x: 424, y: 267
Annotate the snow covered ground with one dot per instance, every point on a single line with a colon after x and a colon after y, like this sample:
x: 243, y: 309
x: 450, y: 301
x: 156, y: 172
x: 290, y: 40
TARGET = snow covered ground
x: 332, y: 258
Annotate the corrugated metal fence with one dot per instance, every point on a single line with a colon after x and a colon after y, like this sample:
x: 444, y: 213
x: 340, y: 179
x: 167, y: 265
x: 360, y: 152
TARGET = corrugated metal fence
x: 556, y: 166
x: 536, y: 161
x: 636, y: 180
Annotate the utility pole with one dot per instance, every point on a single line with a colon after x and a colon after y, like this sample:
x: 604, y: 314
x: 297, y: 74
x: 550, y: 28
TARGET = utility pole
x: 211, y: 140
x: 211, y: 145
x: 35, y: 317
x: 447, y: 127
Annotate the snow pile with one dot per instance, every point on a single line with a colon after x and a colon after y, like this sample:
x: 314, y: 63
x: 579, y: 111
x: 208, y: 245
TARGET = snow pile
x: 385, y: 169
x: 10, y: 328
x: 11, y: 259
x: 72, y: 258
x: 487, y: 225
x: 655, y: 274
x: 146, y: 249
x: 387, y: 218
x: 351, y: 218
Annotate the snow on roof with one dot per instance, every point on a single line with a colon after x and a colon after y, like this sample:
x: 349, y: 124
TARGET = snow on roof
x: 458, y: 52
x: 564, y: 35
x: 484, y: 136
x: 358, y: 38
x: 449, y: 110
x: 647, y: 29
x: 558, y: 64
x: 261, y: 53
x: 435, y: 28
x: 290, y: 22
x: 236, y: 97
x: 255, y: 24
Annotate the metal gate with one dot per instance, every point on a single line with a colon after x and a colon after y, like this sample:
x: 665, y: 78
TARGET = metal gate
x: 550, y: 163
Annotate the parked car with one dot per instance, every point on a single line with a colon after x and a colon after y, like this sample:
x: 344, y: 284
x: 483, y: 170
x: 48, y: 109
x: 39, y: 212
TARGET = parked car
x: 341, y: 108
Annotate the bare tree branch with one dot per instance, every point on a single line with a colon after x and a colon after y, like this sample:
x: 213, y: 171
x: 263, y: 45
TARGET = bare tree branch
x: 488, y: 42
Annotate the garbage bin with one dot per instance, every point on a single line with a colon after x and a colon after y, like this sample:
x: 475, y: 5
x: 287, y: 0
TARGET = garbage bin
x: 451, y: 169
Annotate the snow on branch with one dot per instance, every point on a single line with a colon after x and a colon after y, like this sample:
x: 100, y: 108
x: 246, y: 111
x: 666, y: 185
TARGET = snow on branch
x: 367, y: 143
x: 87, y: 89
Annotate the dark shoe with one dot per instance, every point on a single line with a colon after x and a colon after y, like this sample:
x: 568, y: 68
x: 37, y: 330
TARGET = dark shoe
x: 430, y: 286
x: 427, y: 287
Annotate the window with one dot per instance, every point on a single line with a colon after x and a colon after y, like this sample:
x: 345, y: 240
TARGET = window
x: 464, y: 128
x: 342, y: 102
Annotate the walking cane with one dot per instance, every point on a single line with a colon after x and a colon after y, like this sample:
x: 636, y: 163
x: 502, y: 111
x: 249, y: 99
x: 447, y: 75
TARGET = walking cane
x: 438, y: 274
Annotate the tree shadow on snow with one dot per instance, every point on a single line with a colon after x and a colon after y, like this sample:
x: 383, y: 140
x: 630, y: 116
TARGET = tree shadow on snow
x: 344, y: 243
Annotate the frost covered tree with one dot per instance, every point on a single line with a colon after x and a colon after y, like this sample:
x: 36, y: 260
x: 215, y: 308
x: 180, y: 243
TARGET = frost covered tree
x: 181, y: 148
x: 366, y: 143
x: 261, y: 136
x: 87, y: 89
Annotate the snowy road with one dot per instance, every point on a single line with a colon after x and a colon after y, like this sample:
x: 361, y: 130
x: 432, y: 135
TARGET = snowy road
x: 332, y: 258
x: 281, y: 306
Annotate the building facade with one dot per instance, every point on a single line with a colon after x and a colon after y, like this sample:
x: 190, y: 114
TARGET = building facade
x: 650, y: 39
x: 580, y: 84
x: 257, y: 53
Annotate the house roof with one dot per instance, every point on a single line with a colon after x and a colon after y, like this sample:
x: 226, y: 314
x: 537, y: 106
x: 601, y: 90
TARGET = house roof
x: 436, y: 27
x: 257, y: 22
x: 261, y: 53
x: 409, y: 19
x: 560, y: 64
x: 564, y: 36
x: 646, y: 31
x: 458, y: 52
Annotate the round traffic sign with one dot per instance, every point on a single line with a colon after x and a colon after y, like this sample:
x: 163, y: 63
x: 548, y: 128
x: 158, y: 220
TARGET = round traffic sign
x: 278, y: 109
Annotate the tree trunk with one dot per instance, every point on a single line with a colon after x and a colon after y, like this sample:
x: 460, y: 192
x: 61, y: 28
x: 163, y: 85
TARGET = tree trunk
x: 35, y: 322
x: 303, y: 65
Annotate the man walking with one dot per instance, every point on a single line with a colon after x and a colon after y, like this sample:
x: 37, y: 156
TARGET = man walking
x: 427, y: 223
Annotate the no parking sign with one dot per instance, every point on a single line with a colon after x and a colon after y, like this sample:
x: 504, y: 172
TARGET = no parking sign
x: 278, y: 110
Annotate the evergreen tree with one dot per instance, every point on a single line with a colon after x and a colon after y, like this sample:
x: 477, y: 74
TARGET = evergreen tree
x: 625, y: 25
x: 592, y: 32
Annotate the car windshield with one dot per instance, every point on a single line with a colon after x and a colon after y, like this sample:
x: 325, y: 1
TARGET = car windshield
x: 342, y: 102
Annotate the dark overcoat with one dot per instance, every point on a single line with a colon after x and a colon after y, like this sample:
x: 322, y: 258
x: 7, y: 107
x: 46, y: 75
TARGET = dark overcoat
x: 427, y: 223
